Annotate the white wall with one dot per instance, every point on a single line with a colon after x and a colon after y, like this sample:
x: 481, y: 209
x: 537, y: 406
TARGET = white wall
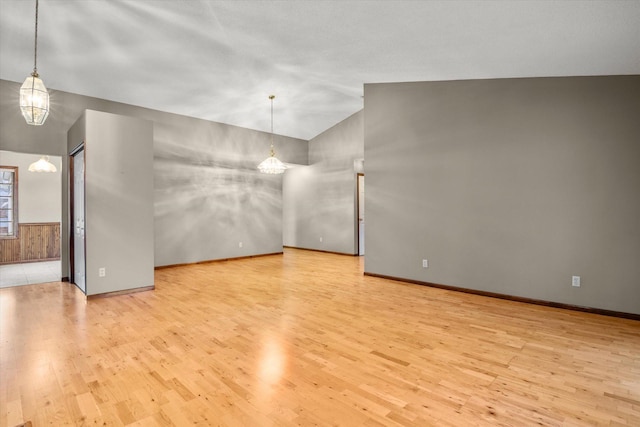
x: 39, y: 193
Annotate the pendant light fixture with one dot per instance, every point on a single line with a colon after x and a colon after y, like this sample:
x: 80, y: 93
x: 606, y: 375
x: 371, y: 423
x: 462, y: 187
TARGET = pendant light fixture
x: 34, y: 98
x: 42, y: 165
x: 271, y: 164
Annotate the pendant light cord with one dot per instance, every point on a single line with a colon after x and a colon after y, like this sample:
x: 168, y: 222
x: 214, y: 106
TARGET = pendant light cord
x: 35, y: 48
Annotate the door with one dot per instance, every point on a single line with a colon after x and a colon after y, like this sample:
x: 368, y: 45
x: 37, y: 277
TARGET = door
x: 77, y: 220
x: 360, y: 214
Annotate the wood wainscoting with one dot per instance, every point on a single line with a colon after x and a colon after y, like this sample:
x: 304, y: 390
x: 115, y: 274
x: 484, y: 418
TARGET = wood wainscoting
x: 35, y: 242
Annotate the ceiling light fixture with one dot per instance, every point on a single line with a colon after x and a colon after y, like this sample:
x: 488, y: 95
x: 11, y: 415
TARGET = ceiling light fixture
x: 34, y: 98
x: 42, y: 165
x: 271, y: 164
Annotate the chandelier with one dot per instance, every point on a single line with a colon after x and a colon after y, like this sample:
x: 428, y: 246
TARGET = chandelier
x: 34, y: 98
x: 271, y: 164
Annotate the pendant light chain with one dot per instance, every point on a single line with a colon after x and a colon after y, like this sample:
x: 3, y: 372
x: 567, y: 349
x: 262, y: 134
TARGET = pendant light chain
x: 35, y: 48
x: 273, y: 153
x: 34, y: 97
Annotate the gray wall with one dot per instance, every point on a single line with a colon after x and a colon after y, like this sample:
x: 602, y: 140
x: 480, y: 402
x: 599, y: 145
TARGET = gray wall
x: 118, y: 200
x: 208, y: 194
x: 509, y: 186
x: 320, y: 199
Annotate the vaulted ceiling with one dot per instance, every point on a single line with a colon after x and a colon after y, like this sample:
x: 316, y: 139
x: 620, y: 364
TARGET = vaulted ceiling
x: 219, y: 60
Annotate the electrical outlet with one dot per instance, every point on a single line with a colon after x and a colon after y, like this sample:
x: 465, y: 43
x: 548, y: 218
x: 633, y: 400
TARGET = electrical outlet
x: 102, y: 272
x: 575, y: 281
x: 239, y: 244
x: 425, y: 263
x: 320, y: 239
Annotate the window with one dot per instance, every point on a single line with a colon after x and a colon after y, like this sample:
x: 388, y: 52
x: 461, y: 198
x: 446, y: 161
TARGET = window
x: 8, y: 202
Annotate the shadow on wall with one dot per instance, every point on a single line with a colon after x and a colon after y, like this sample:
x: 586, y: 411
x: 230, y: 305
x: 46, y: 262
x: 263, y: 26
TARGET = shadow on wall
x: 210, y: 201
x: 205, y: 212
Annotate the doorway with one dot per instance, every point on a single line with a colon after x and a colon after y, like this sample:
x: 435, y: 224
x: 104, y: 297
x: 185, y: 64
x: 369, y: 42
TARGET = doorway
x: 360, y: 214
x: 77, y: 215
x: 30, y: 249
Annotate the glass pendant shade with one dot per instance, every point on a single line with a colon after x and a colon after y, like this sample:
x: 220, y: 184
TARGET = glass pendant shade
x: 272, y: 165
x: 34, y: 100
x: 42, y: 165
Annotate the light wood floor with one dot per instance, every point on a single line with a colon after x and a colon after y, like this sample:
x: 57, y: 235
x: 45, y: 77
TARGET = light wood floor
x: 306, y: 339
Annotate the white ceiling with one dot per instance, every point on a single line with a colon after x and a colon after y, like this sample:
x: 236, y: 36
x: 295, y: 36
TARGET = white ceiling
x: 219, y: 60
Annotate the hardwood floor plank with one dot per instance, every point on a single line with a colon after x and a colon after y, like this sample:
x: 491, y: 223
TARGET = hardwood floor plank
x: 304, y: 338
x: 13, y: 413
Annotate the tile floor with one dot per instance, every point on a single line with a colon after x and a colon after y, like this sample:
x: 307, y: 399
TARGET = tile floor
x: 29, y: 273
